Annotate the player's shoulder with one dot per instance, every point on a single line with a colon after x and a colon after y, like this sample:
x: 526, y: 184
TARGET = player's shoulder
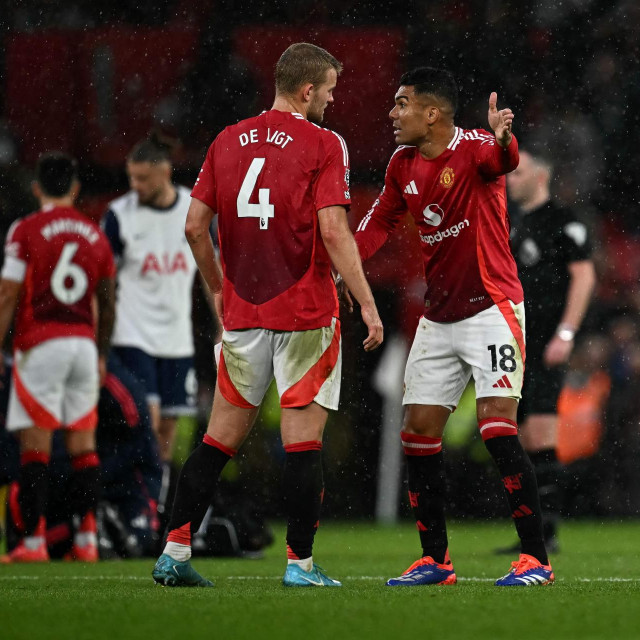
x: 19, y: 228
x: 401, y: 155
x: 332, y: 139
x: 126, y: 203
x: 238, y: 127
x: 470, y: 138
x: 21, y: 223
x: 184, y: 195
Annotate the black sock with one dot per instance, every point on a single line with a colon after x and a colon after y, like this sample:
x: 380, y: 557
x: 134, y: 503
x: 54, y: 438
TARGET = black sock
x: 167, y: 493
x: 519, y: 480
x: 32, y: 497
x: 302, y: 496
x: 196, y: 487
x: 549, y: 476
x: 427, y: 489
x: 84, y: 489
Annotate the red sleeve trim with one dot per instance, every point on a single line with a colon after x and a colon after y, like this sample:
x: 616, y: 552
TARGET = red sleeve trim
x: 124, y: 398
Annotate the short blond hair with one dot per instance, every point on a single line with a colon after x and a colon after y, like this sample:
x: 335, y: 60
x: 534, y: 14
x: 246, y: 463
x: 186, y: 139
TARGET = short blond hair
x: 303, y: 63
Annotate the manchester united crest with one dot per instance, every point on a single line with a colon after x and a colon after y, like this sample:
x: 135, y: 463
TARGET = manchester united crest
x: 447, y: 177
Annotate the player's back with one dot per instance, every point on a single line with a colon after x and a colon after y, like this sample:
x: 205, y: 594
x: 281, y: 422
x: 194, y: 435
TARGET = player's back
x: 65, y: 255
x: 266, y: 177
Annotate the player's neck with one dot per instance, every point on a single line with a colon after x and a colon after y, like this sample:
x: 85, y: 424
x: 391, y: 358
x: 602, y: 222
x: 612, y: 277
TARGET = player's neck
x: 166, y: 197
x: 437, y: 141
x: 289, y: 105
x: 54, y: 203
x: 539, y: 199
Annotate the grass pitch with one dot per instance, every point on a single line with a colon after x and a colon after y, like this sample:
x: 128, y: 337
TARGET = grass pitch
x: 596, y: 595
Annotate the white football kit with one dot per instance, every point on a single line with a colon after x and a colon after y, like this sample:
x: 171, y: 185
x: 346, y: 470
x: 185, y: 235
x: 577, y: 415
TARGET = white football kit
x: 155, y: 275
x: 445, y: 355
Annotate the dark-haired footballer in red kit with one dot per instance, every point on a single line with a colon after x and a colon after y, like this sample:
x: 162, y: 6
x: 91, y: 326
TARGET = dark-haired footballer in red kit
x: 452, y: 182
x: 279, y: 184
x: 56, y: 261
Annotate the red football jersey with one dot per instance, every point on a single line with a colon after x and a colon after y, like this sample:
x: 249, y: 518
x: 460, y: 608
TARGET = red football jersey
x: 266, y: 178
x: 458, y: 201
x: 65, y: 255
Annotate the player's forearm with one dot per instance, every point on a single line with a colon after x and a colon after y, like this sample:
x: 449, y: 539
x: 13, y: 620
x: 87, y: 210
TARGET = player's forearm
x: 344, y: 254
x: 499, y: 160
x: 205, y: 257
x: 105, y: 294
x: 581, y: 285
x: 8, y: 303
x: 196, y: 230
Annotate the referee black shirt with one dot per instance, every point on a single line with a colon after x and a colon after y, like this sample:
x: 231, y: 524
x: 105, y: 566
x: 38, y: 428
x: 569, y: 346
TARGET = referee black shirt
x: 544, y: 243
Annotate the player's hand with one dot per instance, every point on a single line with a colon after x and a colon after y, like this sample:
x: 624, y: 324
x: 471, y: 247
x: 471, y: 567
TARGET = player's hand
x: 557, y: 352
x: 500, y: 121
x: 344, y: 296
x: 217, y: 303
x: 374, y: 324
x: 102, y: 369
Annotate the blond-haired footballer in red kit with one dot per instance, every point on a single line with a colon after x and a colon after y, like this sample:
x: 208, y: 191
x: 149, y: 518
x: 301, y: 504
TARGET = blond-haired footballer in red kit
x: 279, y: 185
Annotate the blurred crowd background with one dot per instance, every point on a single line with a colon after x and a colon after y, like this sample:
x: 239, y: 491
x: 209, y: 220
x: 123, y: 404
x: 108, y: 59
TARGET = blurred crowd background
x: 92, y: 77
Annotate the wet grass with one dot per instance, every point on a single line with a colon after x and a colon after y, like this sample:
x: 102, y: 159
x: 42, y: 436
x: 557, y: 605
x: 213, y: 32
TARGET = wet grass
x: 596, y: 593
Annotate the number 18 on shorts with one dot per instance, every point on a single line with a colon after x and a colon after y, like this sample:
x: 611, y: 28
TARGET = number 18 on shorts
x: 444, y: 356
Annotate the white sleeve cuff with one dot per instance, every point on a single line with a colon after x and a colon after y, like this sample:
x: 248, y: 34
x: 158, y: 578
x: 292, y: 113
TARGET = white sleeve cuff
x: 14, y: 269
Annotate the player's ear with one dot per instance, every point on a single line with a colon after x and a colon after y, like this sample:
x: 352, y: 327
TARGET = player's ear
x: 75, y: 189
x: 36, y: 189
x: 307, y: 92
x: 433, y: 114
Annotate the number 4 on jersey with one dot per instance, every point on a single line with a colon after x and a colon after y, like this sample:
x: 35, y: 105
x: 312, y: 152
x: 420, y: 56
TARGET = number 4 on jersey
x: 246, y: 209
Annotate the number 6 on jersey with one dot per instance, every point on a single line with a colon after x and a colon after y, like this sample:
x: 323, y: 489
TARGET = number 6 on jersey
x: 263, y: 210
x: 66, y: 271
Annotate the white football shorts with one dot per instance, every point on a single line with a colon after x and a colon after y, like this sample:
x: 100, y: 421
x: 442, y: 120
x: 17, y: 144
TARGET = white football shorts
x: 306, y: 365
x: 489, y: 346
x: 55, y: 384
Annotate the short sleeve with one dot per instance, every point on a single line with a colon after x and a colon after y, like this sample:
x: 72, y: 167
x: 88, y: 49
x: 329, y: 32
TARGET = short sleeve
x: 111, y: 228
x: 575, y: 243
x: 331, y: 187
x: 15, y: 253
x: 205, y: 188
x: 16, y: 242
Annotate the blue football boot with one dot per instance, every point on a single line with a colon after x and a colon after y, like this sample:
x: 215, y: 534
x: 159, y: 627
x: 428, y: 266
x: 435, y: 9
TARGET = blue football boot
x: 424, y: 572
x: 296, y: 576
x: 173, y: 573
x: 527, y: 572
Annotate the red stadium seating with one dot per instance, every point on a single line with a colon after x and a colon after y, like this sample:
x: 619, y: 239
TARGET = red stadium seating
x: 364, y: 96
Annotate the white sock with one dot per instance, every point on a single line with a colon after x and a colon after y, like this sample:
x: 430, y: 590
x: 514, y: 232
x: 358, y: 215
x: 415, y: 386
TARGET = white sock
x: 33, y: 542
x: 85, y: 539
x: 179, y: 552
x: 305, y: 564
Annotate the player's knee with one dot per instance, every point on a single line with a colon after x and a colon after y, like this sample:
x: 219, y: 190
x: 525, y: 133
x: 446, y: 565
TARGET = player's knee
x: 497, y: 406
x: 426, y: 420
